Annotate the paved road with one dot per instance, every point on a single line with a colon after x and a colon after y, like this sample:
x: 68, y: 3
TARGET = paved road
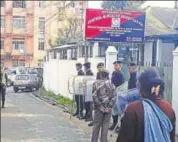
x: 27, y: 119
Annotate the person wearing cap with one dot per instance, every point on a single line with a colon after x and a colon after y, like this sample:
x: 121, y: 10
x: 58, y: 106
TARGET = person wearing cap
x: 104, y: 97
x: 133, y: 76
x: 100, y: 67
x: 79, y: 98
x: 3, y: 82
x: 117, y: 79
x: 88, y: 105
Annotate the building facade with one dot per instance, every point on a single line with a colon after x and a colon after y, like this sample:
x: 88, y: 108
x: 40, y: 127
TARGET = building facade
x: 16, y: 33
x: 25, y: 30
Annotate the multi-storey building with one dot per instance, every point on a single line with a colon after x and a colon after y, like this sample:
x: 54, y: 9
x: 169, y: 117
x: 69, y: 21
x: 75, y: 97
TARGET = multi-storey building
x: 28, y: 26
x: 16, y: 33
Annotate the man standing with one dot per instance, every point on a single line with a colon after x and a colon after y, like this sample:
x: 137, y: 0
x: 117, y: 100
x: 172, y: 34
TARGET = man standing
x: 79, y: 98
x: 100, y: 68
x: 117, y: 79
x: 88, y: 105
x: 104, y: 97
x: 133, y: 76
x: 3, y: 82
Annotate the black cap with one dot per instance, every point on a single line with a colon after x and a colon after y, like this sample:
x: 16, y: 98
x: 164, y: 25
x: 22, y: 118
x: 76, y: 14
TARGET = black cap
x: 78, y: 64
x: 117, y: 62
x: 87, y: 64
x: 100, y: 64
x: 132, y: 64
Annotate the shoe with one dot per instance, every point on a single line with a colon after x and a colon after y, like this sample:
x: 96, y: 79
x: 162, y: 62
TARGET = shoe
x: 80, y: 116
x: 90, y: 124
x: 112, y: 126
x: 76, y: 114
x: 84, y: 117
x: 117, y: 129
x: 87, y: 119
x: 3, y: 106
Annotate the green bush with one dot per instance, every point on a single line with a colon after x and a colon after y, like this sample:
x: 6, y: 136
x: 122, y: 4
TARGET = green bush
x: 60, y: 99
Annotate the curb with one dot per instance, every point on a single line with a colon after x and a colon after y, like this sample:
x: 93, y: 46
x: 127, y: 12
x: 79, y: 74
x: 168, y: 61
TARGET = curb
x: 52, y: 102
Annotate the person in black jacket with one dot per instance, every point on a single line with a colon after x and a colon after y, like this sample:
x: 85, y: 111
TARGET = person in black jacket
x: 3, y: 84
x: 79, y: 98
x: 133, y: 76
x: 88, y: 105
x: 117, y: 79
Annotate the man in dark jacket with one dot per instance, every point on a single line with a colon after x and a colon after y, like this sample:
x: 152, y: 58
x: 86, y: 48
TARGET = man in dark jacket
x: 88, y: 105
x: 79, y: 98
x: 3, y: 83
x: 117, y: 79
x: 133, y: 76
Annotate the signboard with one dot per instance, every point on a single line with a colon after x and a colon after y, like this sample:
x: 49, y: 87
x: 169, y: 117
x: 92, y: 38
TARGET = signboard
x: 114, y: 26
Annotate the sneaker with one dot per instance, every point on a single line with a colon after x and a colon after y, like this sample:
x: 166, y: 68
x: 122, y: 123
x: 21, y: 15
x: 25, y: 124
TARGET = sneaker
x: 90, y: 124
x: 76, y: 114
x: 112, y: 127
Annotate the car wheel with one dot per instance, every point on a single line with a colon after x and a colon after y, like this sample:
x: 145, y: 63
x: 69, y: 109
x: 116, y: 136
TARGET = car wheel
x: 16, y: 90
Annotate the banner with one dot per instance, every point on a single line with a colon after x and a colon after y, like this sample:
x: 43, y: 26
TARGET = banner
x: 114, y: 26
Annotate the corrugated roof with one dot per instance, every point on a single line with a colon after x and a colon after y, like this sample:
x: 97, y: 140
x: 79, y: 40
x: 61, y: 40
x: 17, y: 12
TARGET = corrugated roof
x: 159, y: 21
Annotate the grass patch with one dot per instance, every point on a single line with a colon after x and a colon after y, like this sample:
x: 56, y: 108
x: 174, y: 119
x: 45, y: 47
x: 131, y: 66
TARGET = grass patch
x: 58, y: 98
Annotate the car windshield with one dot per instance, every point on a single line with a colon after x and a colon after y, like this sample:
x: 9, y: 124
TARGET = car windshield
x: 22, y: 77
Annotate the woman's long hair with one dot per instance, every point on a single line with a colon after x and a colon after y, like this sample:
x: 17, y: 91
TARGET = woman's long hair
x: 151, y: 85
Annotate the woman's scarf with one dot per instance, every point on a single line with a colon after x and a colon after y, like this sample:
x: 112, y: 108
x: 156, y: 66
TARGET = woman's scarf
x: 157, y: 126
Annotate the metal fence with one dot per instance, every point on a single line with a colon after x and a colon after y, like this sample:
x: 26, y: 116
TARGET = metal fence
x: 166, y: 72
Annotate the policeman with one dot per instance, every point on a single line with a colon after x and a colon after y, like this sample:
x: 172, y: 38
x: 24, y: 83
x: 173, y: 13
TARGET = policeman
x: 88, y: 105
x: 100, y: 67
x: 79, y: 98
x: 117, y: 79
x: 133, y: 76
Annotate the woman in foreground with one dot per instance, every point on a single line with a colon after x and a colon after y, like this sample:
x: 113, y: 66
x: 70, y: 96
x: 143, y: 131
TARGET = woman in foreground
x: 151, y: 119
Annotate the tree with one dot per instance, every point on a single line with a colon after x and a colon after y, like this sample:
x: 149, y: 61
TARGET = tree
x: 122, y: 5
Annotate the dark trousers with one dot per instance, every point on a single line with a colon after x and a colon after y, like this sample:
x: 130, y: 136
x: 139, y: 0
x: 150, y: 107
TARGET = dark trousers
x: 80, y: 103
x: 115, y: 119
x: 88, y: 108
x: 3, y: 95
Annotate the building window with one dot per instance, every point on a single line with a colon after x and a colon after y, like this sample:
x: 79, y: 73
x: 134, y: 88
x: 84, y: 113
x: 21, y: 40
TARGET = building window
x: 19, y: 22
x: 42, y: 24
x: 41, y: 4
x: 19, y: 44
x: 41, y: 44
x: 102, y: 51
x: 81, y: 51
x: 2, y: 3
x: 2, y: 22
x: 14, y: 63
x: 19, y: 4
x: 74, y: 53
x: 2, y: 44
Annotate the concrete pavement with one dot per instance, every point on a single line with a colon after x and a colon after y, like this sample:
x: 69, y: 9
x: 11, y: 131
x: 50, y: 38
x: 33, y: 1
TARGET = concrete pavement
x: 27, y: 119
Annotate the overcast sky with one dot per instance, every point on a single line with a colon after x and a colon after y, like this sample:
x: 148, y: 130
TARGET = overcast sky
x: 169, y: 4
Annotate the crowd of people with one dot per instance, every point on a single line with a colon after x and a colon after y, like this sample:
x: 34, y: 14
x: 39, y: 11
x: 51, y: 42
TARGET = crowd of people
x: 150, y: 119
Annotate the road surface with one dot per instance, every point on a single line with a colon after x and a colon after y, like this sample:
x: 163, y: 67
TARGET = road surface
x: 27, y: 119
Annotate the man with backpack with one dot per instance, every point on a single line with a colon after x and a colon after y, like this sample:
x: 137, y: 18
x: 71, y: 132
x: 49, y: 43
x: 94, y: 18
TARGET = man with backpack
x: 104, y: 97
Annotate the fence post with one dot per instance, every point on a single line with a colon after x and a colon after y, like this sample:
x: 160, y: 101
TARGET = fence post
x: 111, y: 56
x: 175, y: 85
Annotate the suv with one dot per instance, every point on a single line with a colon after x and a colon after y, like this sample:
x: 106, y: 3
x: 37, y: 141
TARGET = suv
x: 25, y: 82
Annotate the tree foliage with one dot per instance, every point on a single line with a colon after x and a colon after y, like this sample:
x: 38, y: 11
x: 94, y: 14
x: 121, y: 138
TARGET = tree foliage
x: 122, y: 5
